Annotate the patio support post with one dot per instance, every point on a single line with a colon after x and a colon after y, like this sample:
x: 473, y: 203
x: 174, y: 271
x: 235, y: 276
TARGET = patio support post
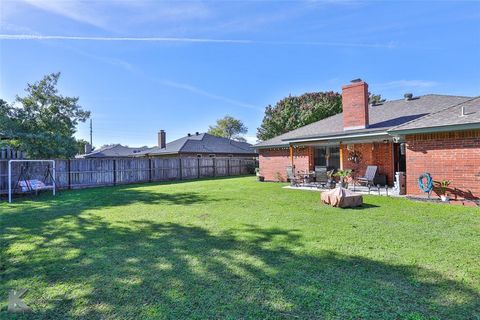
x: 341, y: 157
x: 291, y: 155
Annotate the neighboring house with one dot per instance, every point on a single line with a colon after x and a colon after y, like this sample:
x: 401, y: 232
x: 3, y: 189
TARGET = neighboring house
x: 113, y: 151
x: 438, y: 134
x: 200, y: 145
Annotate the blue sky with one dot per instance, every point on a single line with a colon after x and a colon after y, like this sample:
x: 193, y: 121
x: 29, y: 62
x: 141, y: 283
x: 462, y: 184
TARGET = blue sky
x: 141, y: 66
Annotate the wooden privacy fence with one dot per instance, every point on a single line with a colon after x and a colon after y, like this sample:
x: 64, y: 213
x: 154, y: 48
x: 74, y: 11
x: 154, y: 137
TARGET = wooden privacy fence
x: 84, y: 173
x: 9, y: 153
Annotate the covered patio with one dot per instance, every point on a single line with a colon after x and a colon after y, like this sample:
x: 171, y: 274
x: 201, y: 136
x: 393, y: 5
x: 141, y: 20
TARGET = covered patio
x: 346, y: 152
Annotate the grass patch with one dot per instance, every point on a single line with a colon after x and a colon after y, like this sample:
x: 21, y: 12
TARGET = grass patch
x: 236, y: 248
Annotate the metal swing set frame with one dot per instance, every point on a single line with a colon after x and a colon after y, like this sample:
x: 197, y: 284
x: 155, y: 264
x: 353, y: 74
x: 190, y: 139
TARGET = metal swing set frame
x: 48, y: 173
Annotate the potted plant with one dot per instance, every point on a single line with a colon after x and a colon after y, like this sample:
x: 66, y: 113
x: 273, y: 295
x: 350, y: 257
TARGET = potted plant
x: 259, y: 175
x: 342, y: 175
x: 443, y: 190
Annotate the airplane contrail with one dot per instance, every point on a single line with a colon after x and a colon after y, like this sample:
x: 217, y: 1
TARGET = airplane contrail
x: 195, y: 40
x: 90, y: 38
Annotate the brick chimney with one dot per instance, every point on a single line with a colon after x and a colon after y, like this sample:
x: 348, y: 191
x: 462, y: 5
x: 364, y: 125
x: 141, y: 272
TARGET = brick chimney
x: 355, y: 105
x: 162, y: 139
x: 88, y: 148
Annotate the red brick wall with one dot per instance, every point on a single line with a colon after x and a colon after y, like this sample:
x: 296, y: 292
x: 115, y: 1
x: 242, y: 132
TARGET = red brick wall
x: 274, y: 162
x: 376, y: 154
x: 355, y: 105
x: 453, y: 156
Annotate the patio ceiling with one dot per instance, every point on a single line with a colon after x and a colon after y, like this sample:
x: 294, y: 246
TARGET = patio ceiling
x: 343, y: 138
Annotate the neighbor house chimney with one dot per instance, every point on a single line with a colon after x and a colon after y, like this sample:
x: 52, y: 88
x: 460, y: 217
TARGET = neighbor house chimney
x: 355, y: 105
x: 162, y: 139
x: 88, y: 148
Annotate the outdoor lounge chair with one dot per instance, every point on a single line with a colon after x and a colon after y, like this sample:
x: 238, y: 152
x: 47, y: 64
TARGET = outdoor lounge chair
x: 294, y: 181
x: 369, y: 177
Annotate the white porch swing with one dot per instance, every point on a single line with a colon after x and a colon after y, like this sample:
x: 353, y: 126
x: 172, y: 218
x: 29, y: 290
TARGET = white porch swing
x: 25, y: 183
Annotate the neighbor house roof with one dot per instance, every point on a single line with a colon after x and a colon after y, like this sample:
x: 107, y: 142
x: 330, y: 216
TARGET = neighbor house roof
x: 116, y: 150
x: 202, y: 143
x: 382, y: 117
x: 465, y: 115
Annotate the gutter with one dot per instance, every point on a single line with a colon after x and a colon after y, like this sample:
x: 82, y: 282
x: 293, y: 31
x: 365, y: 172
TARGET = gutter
x: 388, y: 134
x: 452, y: 127
x: 272, y: 146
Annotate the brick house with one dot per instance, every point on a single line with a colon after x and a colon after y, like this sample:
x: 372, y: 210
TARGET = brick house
x: 438, y: 134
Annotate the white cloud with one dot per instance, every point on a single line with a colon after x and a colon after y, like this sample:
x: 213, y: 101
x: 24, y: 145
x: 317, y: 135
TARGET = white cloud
x: 117, y: 14
x: 251, y: 139
x: 164, y: 82
x: 81, y: 11
x: 204, y: 93
x: 415, y: 84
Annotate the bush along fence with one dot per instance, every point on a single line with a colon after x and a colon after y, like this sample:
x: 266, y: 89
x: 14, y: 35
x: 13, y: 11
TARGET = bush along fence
x: 85, y: 173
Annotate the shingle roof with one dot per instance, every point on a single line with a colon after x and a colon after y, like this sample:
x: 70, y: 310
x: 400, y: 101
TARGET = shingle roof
x: 451, y: 116
x: 202, y: 143
x: 116, y: 150
x: 382, y: 117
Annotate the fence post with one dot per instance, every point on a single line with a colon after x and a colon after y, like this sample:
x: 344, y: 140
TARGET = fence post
x: 69, y: 178
x: 180, y: 168
x: 214, y: 167
x: 114, y: 172
x: 198, y: 168
x: 228, y: 167
x: 149, y: 169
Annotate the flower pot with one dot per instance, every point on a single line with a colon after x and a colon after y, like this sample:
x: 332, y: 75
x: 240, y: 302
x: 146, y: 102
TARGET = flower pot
x: 444, y: 198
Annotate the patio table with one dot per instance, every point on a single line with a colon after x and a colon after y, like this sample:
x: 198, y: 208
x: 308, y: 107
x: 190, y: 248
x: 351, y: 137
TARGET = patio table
x: 307, y: 176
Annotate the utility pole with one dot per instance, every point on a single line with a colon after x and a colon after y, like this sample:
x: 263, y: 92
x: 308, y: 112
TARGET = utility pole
x: 91, y: 131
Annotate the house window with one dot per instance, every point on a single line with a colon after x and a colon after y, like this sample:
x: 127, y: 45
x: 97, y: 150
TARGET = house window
x: 328, y: 156
x: 321, y: 156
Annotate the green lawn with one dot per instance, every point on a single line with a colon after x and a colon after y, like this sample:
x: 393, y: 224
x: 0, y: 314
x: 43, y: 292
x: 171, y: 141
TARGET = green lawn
x: 237, y: 248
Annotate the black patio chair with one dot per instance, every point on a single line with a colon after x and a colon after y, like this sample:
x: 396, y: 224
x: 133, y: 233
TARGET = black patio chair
x: 321, y: 176
x: 294, y: 181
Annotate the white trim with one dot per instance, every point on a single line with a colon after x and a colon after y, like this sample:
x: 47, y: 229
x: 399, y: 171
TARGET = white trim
x: 357, y: 136
x: 10, y: 175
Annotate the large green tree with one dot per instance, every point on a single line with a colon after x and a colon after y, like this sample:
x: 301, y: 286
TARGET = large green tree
x: 229, y: 127
x: 294, y: 112
x: 375, y: 99
x: 43, y: 122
